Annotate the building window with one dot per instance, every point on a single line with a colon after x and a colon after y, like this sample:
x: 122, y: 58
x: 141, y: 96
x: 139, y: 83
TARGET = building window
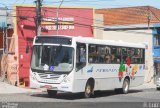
x: 156, y: 40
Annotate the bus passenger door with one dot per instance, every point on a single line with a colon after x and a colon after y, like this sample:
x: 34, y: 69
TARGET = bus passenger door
x: 80, y: 56
x: 80, y: 74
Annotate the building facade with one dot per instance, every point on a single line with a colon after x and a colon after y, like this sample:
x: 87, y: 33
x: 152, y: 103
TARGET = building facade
x: 6, y: 31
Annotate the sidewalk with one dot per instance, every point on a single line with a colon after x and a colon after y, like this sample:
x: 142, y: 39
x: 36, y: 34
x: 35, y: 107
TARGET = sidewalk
x: 8, y: 89
x: 144, y: 86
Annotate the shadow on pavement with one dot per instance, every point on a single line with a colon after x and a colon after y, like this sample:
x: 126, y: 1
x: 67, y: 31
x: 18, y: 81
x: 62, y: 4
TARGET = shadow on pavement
x: 76, y: 96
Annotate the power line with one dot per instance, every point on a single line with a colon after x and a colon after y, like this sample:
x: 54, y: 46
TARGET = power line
x: 22, y: 17
x: 16, y: 1
x: 82, y: 17
x: 13, y: 3
x: 102, y: 28
x: 134, y: 15
x: 78, y: 23
x: 89, y: 26
x: 95, y: 3
x: 68, y: 1
x: 154, y: 14
x: 85, y: 17
x: 73, y: 15
x: 89, y: 18
x: 23, y: 1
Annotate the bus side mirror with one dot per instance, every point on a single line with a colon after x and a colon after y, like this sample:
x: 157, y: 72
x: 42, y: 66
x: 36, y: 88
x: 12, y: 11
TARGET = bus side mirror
x: 27, y: 49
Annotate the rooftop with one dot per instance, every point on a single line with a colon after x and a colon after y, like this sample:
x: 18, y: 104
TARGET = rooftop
x: 130, y: 15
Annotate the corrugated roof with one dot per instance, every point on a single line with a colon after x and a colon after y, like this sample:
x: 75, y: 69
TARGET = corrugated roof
x: 130, y: 15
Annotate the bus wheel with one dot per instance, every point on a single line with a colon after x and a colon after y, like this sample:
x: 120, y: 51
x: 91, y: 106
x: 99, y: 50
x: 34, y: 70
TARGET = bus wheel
x: 52, y: 93
x: 125, y: 87
x: 89, y: 90
x: 158, y: 88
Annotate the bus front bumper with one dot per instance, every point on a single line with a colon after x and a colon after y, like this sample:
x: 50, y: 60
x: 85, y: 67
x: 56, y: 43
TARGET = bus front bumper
x: 56, y: 87
x: 36, y: 84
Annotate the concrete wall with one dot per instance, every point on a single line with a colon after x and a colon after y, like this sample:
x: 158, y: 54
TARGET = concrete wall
x: 135, y: 36
x: 98, y: 26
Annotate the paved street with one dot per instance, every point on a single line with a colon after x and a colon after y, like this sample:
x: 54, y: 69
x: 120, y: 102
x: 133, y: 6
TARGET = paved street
x: 102, y: 99
x: 147, y: 95
x: 142, y: 94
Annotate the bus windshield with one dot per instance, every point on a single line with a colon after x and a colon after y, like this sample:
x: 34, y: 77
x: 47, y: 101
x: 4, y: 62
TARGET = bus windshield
x: 52, y: 58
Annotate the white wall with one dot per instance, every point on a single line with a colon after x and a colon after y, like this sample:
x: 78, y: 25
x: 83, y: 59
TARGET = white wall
x: 98, y: 26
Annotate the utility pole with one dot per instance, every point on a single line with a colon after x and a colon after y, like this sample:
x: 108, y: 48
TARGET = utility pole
x: 38, y: 17
x: 57, y: 15
x: 149, y: 17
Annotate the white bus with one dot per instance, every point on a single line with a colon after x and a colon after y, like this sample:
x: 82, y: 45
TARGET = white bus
x: 81, y: 64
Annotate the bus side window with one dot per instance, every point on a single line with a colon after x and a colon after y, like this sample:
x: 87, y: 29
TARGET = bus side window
x: 113, y: 55
x: 124, y: 54
x: 138, y: 56
x: 80, y: 56
x: 118, y: 54
x: 92, y: 53
x: 107, y: 56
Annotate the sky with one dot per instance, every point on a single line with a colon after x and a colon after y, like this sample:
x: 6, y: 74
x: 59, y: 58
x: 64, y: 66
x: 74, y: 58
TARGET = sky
x: 87, y: 3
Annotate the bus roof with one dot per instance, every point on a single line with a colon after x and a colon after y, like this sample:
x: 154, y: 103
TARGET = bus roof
x: 90, y: 40
x: 108, y: 42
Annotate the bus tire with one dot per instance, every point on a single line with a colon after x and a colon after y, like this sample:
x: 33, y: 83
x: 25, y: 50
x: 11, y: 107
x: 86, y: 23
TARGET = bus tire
x: 158, y: 88
x: 118, y: 90
x: 52, y: 93
x: 125, y: 86
x: 89, y: 90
